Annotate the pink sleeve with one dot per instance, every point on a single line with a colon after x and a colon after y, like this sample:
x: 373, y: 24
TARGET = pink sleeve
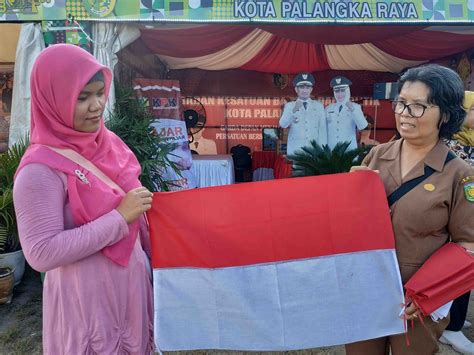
x: 40, y: 198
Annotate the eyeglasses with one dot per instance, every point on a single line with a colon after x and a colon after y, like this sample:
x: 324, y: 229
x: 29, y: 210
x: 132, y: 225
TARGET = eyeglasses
x: 414, y: 110
x: 339, y: 90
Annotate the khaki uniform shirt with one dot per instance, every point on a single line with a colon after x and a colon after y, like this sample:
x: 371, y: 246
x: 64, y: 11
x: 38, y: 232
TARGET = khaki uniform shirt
x: 436, y: 211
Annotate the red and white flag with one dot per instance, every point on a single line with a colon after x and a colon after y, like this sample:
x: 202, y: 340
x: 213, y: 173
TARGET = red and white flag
x: 275, y: 265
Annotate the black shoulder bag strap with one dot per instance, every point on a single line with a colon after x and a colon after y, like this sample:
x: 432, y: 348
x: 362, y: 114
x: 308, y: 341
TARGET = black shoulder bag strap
x: 409, y: 185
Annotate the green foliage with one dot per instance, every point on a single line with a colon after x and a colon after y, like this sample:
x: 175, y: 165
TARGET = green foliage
x: 320, y: 160
x: 9, y: 162
x: 131, y: 121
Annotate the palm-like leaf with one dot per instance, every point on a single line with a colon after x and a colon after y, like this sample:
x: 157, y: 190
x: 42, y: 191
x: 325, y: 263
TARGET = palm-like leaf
x: 131, y: 121
x: 3, y: 238
x: 8, y: 231
x: 9, y: 162
x: 320, y: 160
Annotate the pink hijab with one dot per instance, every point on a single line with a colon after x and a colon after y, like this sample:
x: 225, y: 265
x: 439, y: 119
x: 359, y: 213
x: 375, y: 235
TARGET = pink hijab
x: 58, y: 76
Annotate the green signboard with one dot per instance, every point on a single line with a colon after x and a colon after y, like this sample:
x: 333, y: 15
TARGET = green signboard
x: 293, y: 11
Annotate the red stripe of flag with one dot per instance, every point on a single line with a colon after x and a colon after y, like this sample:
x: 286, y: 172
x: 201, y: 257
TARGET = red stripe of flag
x: 270, y: 221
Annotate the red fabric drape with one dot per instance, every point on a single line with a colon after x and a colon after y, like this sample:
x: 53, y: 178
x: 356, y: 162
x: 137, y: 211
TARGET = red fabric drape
x: 301, y: 48
x: 263, y: 159
x: 193, y: 42
x: 285, y: 56
x: 282, y: 168
x: 425, y: 45
x: 350, y: 34
x: 206, y: 39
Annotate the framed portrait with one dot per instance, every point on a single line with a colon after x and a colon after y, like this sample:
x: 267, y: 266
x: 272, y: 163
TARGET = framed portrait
x: 270, y: 138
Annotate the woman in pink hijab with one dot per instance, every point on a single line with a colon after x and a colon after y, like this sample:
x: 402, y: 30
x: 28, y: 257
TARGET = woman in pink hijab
x: 80, y: 210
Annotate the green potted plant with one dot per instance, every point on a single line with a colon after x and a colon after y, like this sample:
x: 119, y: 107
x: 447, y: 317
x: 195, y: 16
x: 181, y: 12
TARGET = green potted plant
x: 11, y: 255
x: 131, y: 121
x: 319, y: 160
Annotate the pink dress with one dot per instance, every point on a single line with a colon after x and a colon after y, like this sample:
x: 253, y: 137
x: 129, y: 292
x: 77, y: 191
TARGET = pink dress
x: 91, y: 305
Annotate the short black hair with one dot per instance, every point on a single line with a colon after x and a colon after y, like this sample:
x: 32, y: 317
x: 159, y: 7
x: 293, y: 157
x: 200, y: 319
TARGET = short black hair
x: 446, y: 90
x: 99, y: 76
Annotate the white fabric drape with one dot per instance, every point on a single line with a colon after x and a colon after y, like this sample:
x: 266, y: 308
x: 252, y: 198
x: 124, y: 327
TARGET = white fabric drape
x: 213, y: 170
x: 262, y: 174
x: 231, y: 57
x: 109, y: 38
x: 30, y: 44
x: 365, y: 56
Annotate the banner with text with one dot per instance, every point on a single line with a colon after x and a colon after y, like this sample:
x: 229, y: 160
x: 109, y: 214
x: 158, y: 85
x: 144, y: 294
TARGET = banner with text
x: 234, y: 120
x: 240, y: 120
x: 241, y: 10
x: 163, y: 99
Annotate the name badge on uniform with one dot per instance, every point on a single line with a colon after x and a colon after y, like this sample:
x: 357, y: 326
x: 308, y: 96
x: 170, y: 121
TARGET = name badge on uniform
x: 429, y: 187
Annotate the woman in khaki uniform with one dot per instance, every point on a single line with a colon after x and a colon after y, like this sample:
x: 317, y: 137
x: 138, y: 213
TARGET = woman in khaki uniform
x: 462, y: 145
x: 437, y: 210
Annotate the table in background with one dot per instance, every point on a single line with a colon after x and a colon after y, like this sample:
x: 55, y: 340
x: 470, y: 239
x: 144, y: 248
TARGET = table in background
x: 267, y: 165
x: 213, y: 170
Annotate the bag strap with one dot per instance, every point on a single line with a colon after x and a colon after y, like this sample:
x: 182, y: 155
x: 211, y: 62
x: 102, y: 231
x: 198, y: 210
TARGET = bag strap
x: 409, y: 185
x: 86, y: 164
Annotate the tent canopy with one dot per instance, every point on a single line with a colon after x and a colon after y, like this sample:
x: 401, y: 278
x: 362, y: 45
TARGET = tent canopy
x: 289, y: 49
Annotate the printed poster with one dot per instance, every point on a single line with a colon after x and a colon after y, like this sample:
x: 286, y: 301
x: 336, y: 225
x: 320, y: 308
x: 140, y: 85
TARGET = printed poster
x: 6, y: 95
x: 163, y: 98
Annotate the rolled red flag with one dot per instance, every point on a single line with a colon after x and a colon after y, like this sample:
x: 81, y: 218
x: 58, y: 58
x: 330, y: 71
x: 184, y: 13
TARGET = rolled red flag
x: 446, y: 275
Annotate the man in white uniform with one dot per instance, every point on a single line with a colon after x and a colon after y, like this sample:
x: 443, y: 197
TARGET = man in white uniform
x: 304, y: 117
x: 344, y: 116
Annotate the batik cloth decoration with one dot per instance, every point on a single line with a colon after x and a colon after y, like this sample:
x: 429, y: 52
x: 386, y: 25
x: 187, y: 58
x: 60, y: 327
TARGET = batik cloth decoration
x: 76, y: 9
x: 66, y: 31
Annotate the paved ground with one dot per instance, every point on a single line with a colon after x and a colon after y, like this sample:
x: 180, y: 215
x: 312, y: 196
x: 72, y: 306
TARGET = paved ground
x: 20, y: 325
